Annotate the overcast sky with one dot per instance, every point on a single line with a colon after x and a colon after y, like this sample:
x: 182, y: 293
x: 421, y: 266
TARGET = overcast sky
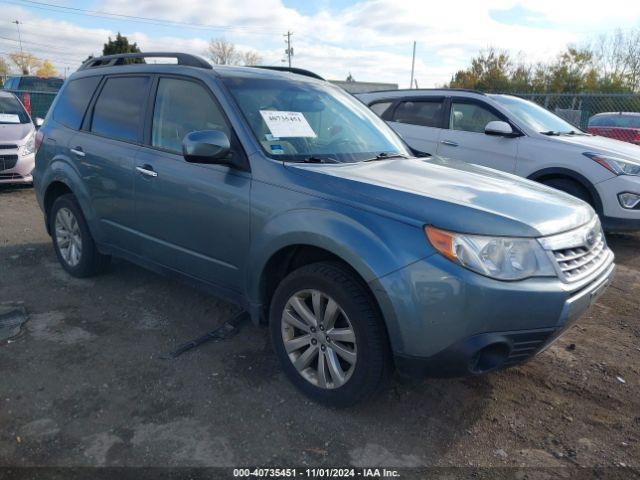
x: 371, y: 39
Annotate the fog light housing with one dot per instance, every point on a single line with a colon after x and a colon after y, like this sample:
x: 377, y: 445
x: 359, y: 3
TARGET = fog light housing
x: 629, y: 200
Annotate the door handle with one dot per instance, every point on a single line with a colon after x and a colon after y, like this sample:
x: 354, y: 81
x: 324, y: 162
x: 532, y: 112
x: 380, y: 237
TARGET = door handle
x: 147, y: 170
x: 451, y: 143
x: 78, y: 151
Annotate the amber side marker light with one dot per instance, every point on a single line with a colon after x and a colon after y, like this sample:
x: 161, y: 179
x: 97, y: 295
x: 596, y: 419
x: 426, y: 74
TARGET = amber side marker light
x: 441, y: 241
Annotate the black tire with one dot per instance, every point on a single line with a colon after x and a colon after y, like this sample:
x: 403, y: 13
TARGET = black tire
x: 373, y: 366
x: 571, y: 187
x: 92, y: 262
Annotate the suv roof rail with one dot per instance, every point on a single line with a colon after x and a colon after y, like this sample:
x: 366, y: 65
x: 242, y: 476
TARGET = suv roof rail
x: 298, y: 71
x: 444, y: 89
x: 119, y: 59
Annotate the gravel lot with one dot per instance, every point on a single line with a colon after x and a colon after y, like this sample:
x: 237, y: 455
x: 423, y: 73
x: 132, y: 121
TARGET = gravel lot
x: 84, y: 384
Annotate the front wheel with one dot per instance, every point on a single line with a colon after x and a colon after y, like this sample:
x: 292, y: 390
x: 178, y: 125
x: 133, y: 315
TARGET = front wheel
x: 328, y: 334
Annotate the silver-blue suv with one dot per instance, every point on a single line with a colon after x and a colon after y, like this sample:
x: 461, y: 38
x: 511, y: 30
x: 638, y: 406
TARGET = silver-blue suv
x: 284, y: 194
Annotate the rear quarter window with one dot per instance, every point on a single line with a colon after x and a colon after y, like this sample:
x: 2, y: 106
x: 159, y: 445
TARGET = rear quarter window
x: 73, y: 102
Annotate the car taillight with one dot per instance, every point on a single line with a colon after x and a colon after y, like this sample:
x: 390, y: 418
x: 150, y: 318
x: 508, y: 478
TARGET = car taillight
x: 26, y: 101
x: 39, y: 137
x: 636, y: 138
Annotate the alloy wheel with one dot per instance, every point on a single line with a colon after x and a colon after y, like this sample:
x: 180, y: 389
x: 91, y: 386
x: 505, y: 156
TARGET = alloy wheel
x: 68, y: 236
x: 319, y: 339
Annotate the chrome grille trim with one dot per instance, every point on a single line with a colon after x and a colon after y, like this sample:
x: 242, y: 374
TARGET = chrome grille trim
x: 578, y: 253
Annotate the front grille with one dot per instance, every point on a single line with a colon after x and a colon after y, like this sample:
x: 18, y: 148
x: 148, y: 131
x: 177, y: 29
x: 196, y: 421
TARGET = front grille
x: 10, y: 176
x: 526, y: 344
x: 8, y: 161
x: 579, y: 262
x: 5, y: 146
x: 578, y: 253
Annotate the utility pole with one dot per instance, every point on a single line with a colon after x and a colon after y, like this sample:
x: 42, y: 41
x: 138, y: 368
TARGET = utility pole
x: 289, y: 50
x: 413, y: 64
x: 17, y: 22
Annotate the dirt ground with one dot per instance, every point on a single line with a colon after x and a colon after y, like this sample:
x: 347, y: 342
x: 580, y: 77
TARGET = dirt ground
x: 85, y: 384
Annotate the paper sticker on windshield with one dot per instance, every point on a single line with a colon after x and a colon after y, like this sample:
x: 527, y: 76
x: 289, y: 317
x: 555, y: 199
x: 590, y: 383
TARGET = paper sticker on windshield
x: 12, y: 118
x: 287, y: 124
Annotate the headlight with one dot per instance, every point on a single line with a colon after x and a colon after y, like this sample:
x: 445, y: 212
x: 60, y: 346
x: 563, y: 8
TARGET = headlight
x: 29, y: 146
x: 501, y: 258
x: 615, y: 164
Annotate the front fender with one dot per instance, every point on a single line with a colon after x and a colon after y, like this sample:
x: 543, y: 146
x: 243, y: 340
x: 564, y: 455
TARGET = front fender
x: 371, y: 244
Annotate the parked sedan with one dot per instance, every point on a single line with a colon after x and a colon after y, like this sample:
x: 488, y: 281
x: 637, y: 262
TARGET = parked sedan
x: 517, y: 136
x: 623, y: 126
x: 17, y: 140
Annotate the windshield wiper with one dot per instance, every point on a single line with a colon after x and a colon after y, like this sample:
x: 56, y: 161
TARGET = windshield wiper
x: 313, y: 159
x: 554, y: 133
x: 385, y: 156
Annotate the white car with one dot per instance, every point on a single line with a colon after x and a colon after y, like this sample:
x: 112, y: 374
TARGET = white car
x: 17, y: 141
x: 517, y: 136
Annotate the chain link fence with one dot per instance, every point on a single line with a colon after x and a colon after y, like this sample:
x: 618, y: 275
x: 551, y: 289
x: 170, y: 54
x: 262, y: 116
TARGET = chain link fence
x: 615, y: 115
x: 36, y: 103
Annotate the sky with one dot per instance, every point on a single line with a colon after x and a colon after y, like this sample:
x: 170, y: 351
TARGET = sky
x: 370, y: 39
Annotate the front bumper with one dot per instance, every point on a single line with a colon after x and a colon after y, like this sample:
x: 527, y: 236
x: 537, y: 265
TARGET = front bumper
x: 615, y: 217
x: 451, y: 322
x: 16, y: 168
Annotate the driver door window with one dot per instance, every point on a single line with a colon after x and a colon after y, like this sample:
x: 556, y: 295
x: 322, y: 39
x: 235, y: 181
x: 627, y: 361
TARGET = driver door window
x: 183, y: 107
x: 470, y: 117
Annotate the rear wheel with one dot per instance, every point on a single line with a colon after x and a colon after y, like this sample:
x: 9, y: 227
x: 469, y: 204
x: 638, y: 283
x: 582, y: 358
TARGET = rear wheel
x: 328, y: 334
x: 72, y: 240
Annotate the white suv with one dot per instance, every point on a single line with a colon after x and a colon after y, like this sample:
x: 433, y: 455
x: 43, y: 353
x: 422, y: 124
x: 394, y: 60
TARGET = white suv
x: 517, y: 136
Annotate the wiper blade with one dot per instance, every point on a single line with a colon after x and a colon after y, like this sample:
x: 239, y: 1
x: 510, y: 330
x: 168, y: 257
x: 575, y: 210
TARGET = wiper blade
x: 385, y: 156
x: 554, y: 133
x: 313, y: 159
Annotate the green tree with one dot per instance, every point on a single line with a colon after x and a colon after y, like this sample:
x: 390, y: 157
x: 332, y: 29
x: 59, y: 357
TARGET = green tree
x: 121, y: 45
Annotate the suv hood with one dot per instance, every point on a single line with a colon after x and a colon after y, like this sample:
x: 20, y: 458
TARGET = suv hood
x: 602, y: 145
x: 450, y: 194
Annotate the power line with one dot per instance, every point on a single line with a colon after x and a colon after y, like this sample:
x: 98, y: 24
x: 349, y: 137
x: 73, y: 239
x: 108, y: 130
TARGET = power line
x: 137, y: 19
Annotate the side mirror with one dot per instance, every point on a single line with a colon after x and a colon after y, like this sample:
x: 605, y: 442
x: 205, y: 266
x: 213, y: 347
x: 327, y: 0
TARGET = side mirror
x: 207, y: 146
x: 498, y: 128
x: 38, y: 122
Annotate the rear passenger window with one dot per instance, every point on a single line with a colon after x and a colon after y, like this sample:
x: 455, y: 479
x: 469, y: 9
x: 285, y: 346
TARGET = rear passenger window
x: 119, y: 110
x: 423, y: 113
x: 74, y: 100
x: 182, y: 107
x: 380, y: 108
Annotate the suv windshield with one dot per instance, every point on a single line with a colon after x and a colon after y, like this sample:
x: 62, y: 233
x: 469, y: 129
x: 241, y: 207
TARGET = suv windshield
x: 38, y: 84
x: 535, y: 116
x: 11, y: 111
x: 298, y: 121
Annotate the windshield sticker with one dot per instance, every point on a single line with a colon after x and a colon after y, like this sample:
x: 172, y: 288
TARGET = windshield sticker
x: 277, y: 149
x: 287, y: 124
x: 12, y: 118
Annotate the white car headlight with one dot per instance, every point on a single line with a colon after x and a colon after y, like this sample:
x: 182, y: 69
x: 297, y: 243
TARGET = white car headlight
x: 502, y: 258
x: 614, y: 164
x: 29, y: 145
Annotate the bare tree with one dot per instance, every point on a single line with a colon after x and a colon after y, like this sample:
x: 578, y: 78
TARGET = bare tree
x: 25, y: 61
x: 251, y: 58
x: 618, y: 57
x: 222, y: 52
x: 4, y: 68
